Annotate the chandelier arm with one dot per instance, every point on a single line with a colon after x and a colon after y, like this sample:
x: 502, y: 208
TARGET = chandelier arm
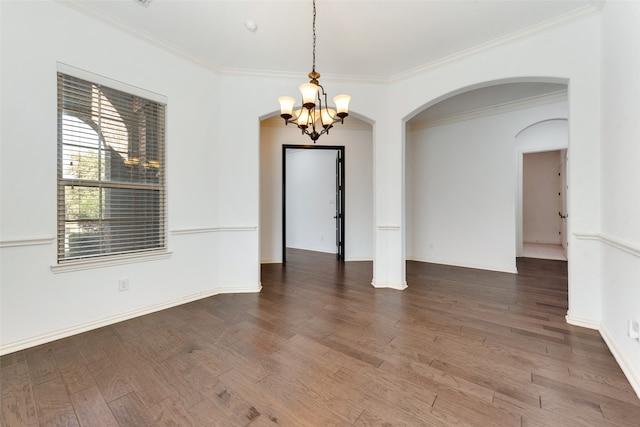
x: 312, y: 118
x: 294, y: 118
x: 326, y: 107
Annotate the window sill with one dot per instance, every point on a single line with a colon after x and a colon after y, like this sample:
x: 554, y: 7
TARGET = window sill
x: 109, y: 261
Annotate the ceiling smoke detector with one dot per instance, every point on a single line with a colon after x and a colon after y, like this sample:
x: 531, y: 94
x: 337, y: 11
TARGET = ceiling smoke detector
x: 145, y: 3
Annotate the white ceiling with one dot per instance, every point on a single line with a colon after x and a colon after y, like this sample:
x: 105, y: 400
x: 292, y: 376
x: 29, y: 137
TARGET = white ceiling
x: 372, y: 39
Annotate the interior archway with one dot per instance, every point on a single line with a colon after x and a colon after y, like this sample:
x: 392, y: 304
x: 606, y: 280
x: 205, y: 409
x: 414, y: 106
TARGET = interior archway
x: 460, y: 170
x: 356, y: 135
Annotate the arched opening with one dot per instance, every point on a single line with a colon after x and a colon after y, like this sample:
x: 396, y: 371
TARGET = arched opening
x: 356, y: 136
x: 461, y: 171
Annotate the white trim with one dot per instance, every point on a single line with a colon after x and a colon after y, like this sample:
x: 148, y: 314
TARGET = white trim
x: 389, y: 285
x: 330, y: 251
x: 457, y: 264
x: 576, y: 14
x: 627, y: 367
x: 331, y: 77
x: 91, y: 11
x: 67, y: 332
x: 505, y: 107
x: 620, y: 244
x: 585, y: 323
x: 109, y: 261
x: 586, y: 236
x: 201, y: 230
x: 389, y: 227
x: 27, y: 241
x: 615, y: 242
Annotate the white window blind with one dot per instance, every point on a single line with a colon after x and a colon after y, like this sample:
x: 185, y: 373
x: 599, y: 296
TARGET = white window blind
x: 111, y: 171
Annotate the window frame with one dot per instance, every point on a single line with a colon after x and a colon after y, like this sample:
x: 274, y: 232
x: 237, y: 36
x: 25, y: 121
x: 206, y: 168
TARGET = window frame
x: 158, y: 229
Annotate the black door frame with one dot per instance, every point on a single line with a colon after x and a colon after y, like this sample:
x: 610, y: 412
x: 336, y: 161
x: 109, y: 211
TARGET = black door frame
x: 340, y: 149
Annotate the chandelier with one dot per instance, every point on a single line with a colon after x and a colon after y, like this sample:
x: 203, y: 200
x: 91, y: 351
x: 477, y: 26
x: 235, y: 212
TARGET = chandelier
x: 315, y: 118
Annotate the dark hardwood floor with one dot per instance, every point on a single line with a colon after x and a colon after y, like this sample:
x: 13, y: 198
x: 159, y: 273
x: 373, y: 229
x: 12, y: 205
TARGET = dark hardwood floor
x: 320, y: 346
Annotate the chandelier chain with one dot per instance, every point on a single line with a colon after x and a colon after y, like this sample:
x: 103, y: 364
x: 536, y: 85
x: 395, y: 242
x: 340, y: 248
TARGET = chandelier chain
x: 314, y: 36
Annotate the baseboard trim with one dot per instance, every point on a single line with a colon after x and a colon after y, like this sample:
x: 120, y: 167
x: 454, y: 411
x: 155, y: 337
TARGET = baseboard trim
x: 308, y: 248
x: 356, y: 259
x: 625, y: 365
x: 271, y: 261
x: 473, y: 266
x: 585, y: 323
x: 389, y: 285
x: 74, y: 330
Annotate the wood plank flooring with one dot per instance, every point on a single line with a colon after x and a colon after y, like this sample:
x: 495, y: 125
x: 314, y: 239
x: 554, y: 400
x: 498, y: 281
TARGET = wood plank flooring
x: 320, y: 346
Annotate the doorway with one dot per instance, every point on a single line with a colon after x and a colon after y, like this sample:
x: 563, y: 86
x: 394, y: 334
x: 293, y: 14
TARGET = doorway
x: 544, y: 205
x: 313, y: 198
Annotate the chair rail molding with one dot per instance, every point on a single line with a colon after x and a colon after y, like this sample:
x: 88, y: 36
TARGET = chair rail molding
x: 205, y: 230
x: 27, y: 241
x: 615, y: 242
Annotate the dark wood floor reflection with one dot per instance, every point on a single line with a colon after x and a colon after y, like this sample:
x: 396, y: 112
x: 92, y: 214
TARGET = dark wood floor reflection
x: 320, y: 346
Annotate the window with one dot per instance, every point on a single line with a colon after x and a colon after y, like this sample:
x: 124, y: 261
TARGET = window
x: 111, y: 171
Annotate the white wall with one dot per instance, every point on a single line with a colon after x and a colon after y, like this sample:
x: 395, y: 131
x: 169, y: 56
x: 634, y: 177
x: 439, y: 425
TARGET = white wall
x: 311, y: 199
x: 37, y: 305
x: 359, y: 187
x: 619, y: 238
x: 566, y: 54
x: 541, y: 199
x: 214, y: 194
x: 461, y: 189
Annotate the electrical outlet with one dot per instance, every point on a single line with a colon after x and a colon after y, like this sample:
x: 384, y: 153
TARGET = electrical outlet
x: 123, y: 284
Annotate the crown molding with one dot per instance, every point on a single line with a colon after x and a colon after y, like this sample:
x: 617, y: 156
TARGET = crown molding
x: 92, y: 11
x: 505, y: 107
x: 580, y: 13
x: 301, y: 75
